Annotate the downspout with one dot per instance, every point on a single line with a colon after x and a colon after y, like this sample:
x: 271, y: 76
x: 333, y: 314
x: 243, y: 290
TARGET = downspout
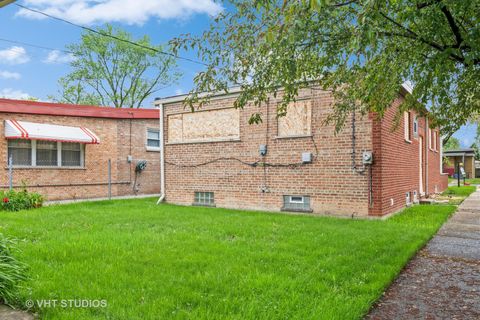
x: 441, y: 154
x: 427, y: 144
x: 162, y: 156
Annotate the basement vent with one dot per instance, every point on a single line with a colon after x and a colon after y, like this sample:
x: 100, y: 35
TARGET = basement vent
x: 296, y: 203
x: 204, y: 199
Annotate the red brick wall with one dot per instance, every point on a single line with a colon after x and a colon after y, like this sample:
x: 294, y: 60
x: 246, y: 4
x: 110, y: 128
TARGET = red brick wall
x: 396, y: 169
x: 91, y: 181
x: 329, y: 180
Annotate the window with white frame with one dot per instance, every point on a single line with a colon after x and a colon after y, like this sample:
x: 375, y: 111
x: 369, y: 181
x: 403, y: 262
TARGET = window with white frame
x: 153, y: 139
x: 71, y: 154
x: 435, y: 140
x: 20, y: 151
x: 47, y: 153
x: 407, y: 126
x: 415, y: 127
x: 296, y: 203
x: 38, y: 153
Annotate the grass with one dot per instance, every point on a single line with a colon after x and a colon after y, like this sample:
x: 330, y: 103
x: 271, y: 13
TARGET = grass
x: 462, y: 191
x: 470, y: 181
x: 455, y: 195
x: 157, y: 262
x: 12, y: 272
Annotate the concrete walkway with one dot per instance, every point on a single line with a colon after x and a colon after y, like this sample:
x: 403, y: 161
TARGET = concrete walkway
x: 443, y: 280
x: 7, y: 313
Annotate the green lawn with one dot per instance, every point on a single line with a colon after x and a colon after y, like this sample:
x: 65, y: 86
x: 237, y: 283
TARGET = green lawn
x: 160, y: 262
x: 471, y: 181
x: 455, y: 195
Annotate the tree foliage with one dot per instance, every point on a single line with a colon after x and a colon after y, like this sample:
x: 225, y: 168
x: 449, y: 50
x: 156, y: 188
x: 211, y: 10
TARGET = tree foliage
x: 476, y: 143
x: 360, y: 50
x: 452, y: 144
x: 107, y: 71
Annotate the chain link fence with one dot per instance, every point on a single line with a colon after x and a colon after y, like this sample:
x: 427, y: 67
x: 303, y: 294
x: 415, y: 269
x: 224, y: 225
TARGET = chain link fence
x: 88, y: 179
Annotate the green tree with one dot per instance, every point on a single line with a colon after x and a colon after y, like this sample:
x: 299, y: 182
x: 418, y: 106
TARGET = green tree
x: 452, y: 144
x: 360, y: 50
x: 107, y: 71
x: 476, y: 143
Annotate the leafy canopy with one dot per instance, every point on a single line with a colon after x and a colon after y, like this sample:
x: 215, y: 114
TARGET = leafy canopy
x: 360, y: 50
x: 452, y: 144
x: 107, y: 71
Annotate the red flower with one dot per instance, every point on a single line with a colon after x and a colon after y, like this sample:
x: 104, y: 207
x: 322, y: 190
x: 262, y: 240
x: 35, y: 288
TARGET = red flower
x: 5, y: 200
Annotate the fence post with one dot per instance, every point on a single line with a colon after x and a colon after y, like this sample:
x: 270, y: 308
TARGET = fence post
x: 109, y: 179
x: 10, y: 172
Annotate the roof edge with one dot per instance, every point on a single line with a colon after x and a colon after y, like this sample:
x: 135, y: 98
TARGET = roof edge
x: 405, y: 88
x: 73, y: 110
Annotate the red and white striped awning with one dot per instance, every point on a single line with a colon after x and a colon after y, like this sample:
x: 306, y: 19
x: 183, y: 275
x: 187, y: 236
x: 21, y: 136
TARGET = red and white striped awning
x: 41, y: 131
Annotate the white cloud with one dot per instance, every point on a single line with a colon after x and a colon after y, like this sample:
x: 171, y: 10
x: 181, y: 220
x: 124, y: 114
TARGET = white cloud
x: 125, y: 11
x: 56, y: 56
x: 178, y: 92
x: 10, y: 93
x: 14, y: 55
x: 9, y: 75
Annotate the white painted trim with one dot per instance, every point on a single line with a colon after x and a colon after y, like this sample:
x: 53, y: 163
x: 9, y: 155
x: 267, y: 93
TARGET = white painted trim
x: 59, y: 154
x: 34, y: 152
x: 216, y: 94
x: 162, y: 154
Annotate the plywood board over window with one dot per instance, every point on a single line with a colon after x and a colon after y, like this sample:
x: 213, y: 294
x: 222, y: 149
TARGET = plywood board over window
x: 204, y: 126
x: 298, y: 120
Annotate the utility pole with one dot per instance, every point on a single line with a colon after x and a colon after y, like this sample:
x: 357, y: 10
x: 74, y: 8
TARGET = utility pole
x: 4, y: 3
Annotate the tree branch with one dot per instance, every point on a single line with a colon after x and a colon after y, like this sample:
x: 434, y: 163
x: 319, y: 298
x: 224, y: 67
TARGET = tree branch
x: 453, y: 26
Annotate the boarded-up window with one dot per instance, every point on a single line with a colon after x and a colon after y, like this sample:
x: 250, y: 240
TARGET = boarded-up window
x: 211, y: 125
x: 298, y: 121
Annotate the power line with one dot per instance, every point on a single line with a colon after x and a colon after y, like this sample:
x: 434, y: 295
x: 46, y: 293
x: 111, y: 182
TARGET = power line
x: 110, y: 36
x: 34, y: 45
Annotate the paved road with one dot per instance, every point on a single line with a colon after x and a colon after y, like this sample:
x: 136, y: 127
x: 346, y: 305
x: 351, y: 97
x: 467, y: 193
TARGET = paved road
x: 443, y: 280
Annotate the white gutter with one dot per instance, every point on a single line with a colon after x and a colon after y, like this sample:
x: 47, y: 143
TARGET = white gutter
x: 162, y: 156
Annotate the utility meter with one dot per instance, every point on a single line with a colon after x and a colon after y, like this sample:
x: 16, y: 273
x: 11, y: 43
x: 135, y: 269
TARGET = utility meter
x: 367, y: 157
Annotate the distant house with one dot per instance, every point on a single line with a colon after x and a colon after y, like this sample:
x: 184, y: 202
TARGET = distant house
x: 62, y: 150
x: 465, y: 157
x: 213, y: 157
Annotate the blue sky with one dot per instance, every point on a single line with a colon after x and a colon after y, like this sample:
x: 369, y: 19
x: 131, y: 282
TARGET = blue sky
x: 27, y: 71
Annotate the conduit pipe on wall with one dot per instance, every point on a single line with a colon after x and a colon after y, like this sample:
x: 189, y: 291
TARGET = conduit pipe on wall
x: 426, y: 147
x: 162, y: 155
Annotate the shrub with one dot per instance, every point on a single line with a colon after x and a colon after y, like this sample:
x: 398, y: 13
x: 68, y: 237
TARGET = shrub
x: 12, y: 272
x: 20, y: 200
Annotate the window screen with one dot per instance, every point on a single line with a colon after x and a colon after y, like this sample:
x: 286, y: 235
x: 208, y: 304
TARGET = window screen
x: 71, y: 154
x: 296, y: 203
x: 47, y: 153
x: 204, y: 198
x: 153, y: 138
x: 20, y: 151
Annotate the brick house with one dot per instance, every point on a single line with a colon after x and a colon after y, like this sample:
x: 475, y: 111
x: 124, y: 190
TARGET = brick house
x: 62, y: 151
x: 295, y: 163
x: 463, y: 157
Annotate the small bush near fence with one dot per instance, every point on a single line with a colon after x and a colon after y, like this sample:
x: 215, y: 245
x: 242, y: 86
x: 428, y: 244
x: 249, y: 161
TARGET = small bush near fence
x: 20, y: 200
x: 12, y: 272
